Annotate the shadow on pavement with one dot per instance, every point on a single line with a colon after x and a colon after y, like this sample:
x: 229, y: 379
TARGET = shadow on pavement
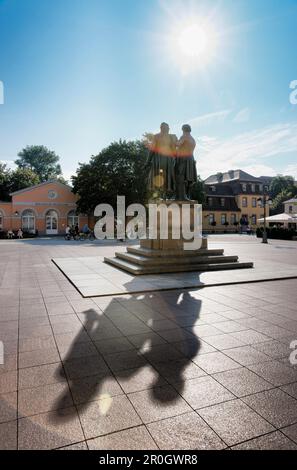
x: 132, y: 320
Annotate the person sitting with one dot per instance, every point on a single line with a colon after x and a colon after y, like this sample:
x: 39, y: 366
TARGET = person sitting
x: 76, y: 229
x: 86, y: 230
x: 67, y: 233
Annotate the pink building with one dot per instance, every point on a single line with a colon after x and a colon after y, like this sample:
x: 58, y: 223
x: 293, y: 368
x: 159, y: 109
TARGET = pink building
x: 47, y: 208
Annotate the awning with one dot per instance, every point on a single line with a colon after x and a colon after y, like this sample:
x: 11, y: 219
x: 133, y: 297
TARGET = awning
x: 280, y: 218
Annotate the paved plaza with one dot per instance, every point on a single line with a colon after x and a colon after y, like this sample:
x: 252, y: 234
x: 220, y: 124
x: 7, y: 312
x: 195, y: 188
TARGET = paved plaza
x: 197, y: 368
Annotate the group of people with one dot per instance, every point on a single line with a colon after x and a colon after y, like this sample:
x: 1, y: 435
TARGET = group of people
x: 19, y: 234
x: 171, y: 164
x: 74, y: 232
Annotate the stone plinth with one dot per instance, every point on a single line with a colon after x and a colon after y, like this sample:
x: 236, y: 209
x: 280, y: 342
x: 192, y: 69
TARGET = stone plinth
x: 161, y: 255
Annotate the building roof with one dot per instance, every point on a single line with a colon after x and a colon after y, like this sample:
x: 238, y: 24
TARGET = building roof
x: 221, y: 190
x: 232, y: 175
x: 40, y: 184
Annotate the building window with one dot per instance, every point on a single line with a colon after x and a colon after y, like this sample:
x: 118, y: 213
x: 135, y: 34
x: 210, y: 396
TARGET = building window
x: 210, y: 201
x: 213, y: 188
x: 223, y: 219
x: 244, y: 202
x: 290, y: 209
x: 28, y: 221
x: 244, y: 187
x: 211, y: 219
x: 233, y: 219
x: 72, y: 218
x: 253, y: 188
x: 1, y: 220
x: 254, y: 202
x: 222, y: 201
x: 254, y: 219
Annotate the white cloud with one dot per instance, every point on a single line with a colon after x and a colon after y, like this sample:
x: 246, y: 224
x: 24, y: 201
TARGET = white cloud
x: 210, y: 117
x: 291, y: 170
x: 243, y: 116
x: 245, y: 150
x: 9, y: 163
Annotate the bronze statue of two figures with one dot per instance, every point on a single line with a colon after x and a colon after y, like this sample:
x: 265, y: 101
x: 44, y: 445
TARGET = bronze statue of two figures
x: 171, y: 164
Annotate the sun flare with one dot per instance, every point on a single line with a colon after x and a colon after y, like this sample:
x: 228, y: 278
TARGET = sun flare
x: 193, y: 44
x: 194, y: 41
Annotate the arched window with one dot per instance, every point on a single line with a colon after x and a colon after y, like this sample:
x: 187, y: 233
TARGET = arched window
x: 72, y: 218
x: 51, y: 222
x: 1, y: 220
x: 28, y: 221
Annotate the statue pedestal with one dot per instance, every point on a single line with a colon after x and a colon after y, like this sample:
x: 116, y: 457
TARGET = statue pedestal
x: 156, y: 256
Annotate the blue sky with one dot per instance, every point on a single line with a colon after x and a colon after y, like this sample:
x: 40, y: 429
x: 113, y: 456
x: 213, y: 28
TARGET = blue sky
x: 78, y: 74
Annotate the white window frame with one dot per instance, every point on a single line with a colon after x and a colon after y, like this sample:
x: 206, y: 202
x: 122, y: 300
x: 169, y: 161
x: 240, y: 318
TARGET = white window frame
x: 74, y: 217
x: 26, y: 219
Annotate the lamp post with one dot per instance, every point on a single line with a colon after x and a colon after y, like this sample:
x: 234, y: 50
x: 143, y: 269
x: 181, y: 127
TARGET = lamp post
x: 263, y: 202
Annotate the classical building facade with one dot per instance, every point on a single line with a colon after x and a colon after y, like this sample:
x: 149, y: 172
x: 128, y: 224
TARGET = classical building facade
x: 46, y: 209
x: 232, y: 198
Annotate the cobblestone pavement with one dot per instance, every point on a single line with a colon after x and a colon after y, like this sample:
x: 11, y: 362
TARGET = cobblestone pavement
x: 195, y: 369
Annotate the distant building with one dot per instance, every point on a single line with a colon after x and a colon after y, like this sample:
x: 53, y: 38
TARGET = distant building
x: 232, y: 200
x: 46, y: 208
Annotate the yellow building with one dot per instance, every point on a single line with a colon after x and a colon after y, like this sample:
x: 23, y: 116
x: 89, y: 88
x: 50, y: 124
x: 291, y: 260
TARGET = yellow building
x: 232, y: 201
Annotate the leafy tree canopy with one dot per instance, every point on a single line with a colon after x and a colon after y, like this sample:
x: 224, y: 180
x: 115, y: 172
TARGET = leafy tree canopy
x: 40, y: 160
x: 281, y: 183
x: 14, y: 180
x: 118, y: 170
x: 285, y: 195
x: 197, y: 191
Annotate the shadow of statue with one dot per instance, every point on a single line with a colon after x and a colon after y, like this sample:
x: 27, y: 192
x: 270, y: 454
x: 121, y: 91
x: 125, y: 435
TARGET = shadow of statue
x: 169, y: 316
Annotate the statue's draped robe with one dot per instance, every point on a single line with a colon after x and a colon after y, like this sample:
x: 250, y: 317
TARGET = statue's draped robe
x: 161, y: 163
x: 185, y: 165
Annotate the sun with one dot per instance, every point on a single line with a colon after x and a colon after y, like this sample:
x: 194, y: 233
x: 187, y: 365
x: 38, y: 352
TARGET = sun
x: 193, y: 45
x: 194, y: 41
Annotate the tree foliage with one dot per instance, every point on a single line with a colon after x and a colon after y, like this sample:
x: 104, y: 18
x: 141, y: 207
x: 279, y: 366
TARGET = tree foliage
x: 278, y: 201
x: 14, y: 180
x: 41, y: 160
x: 281, y: 183
x: 197, y: 191
x: 118, y: 170
x: 282, y: 188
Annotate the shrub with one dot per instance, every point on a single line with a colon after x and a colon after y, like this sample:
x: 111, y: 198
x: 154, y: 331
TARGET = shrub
x: 277, y: 233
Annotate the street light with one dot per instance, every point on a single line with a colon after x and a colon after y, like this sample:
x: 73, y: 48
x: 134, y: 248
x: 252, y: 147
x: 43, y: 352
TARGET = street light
x: 263, y: 202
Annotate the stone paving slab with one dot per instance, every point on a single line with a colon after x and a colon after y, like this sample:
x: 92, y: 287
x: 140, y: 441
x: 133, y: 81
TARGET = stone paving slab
x: 94, y: 278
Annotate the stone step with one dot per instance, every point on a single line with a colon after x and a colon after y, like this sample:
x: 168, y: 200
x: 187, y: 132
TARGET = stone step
x: 175, y: 260
x: 139, y: 270
x: 138, y: 250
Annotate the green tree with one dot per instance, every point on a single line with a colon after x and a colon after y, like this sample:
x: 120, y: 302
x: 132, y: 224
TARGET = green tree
x: 281, y: 183
x: 14, y: 180
x: 41, y: 160
x: 4, y: 182
x: 197, y: 191
x: 285, y: 195
x: 22, y: 178
x: 118, y: 170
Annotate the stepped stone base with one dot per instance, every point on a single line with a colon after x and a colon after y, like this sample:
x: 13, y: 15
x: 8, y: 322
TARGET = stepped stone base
x: 155, y: 256
x: 142, y: 260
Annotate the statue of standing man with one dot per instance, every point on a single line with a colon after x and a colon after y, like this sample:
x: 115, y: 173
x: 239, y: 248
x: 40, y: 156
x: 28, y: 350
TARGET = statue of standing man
x: 171, y: 164
x: 185, y: 165
x: 161, y: 162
